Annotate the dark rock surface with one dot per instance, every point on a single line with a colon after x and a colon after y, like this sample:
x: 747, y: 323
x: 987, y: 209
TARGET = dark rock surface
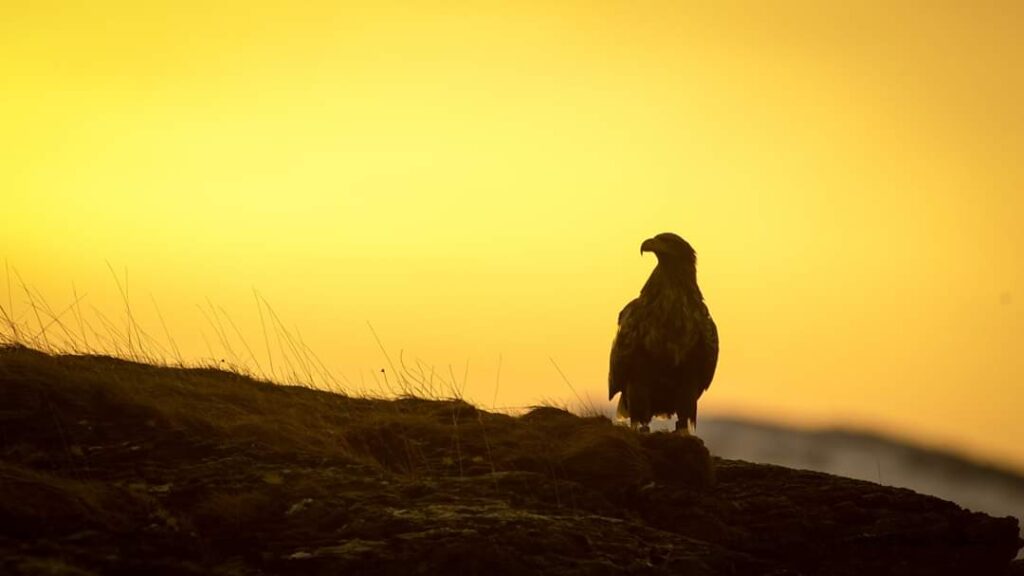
x: 112, y: 467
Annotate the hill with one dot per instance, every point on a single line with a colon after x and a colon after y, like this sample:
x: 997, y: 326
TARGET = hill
x: 114, y: 467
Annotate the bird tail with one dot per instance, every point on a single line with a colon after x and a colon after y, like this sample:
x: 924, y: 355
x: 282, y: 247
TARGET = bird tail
x: 622, y: 411
x: 688, y: 414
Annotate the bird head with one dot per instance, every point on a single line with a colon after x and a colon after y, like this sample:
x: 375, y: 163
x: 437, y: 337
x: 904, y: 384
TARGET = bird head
x: 670, y: 248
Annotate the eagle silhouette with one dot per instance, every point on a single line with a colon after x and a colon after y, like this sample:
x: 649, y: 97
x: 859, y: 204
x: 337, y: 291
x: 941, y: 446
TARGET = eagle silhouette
x: 666, y: 349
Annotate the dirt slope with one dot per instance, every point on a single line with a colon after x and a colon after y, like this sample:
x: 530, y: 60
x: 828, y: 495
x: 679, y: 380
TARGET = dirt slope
x: 112, y: 467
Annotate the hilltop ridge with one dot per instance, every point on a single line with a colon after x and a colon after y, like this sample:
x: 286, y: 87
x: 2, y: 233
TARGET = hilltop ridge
x: 115, y: 467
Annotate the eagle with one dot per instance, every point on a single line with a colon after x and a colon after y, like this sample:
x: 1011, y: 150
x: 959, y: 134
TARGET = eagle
x: 666, y: 348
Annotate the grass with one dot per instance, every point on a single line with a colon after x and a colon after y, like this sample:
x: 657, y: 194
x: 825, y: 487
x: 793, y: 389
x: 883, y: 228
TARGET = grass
x: 118, y: 361
x: 27, y: 319
x: 124, y: 363
x: 277, y: 354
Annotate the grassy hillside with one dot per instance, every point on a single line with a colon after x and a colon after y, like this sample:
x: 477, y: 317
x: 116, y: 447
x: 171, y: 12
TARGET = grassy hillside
x: 115, y: 467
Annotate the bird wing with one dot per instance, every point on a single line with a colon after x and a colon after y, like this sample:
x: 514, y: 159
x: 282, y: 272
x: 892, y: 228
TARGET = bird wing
x: 706, y: 351
x: 626, y: 342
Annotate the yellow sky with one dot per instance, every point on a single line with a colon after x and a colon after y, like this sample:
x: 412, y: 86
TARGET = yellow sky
x: 475, y: 179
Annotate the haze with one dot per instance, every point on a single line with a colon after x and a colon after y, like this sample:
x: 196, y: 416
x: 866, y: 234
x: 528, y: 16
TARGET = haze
x: 475, y: 182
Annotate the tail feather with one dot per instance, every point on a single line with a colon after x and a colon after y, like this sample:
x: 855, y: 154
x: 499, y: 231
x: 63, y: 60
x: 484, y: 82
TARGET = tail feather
x: 687, y: 414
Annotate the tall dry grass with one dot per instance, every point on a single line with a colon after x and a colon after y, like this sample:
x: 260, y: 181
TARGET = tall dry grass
x: 276, y: 354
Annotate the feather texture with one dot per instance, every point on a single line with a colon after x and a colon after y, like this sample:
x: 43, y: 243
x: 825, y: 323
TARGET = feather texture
x: 666, y: 349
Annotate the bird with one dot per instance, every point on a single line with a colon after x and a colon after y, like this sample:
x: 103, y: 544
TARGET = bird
x: 665, y: 350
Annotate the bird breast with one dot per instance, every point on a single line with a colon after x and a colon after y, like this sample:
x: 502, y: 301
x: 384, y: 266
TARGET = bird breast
x: 671, y: 325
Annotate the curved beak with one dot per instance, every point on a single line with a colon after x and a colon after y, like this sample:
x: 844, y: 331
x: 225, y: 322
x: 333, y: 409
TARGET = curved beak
x: 649, y: 245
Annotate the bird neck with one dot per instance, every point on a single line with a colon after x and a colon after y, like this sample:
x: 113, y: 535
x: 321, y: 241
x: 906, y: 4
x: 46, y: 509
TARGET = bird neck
x: 667, y: 276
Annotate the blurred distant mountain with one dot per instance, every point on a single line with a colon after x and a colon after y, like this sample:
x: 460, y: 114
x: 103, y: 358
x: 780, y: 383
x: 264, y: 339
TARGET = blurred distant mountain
x: 866, y: 456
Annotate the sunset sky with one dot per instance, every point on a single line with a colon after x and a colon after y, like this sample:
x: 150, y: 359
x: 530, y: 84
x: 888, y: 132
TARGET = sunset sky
x: 474, y: 180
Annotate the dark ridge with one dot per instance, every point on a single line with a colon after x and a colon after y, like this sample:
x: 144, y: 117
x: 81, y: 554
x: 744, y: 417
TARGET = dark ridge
x: 115, y: 467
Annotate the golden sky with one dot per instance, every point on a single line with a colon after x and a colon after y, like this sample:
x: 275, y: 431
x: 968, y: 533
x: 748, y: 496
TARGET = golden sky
x: 475, y: 180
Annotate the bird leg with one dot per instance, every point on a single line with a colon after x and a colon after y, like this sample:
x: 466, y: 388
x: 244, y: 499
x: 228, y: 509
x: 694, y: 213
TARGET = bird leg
x: 641, y: 427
